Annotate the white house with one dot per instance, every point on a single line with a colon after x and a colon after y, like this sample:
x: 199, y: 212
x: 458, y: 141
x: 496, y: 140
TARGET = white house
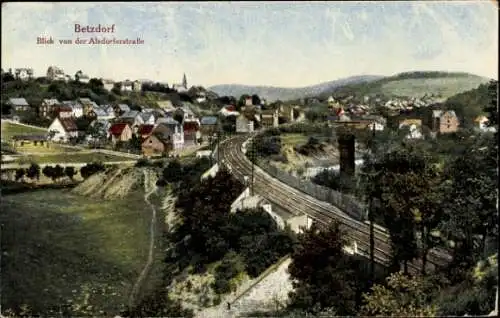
x: 55, y: 73
x: 76, y: 107
x: 243, y: 124
x: 64, y: 129
x: 415, y: 127
x: 148, y: 118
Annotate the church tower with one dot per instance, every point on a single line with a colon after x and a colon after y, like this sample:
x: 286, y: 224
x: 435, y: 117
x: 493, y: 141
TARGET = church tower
x: 184, y: 81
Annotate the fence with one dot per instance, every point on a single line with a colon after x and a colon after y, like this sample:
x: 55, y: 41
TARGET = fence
x: 346, y: 203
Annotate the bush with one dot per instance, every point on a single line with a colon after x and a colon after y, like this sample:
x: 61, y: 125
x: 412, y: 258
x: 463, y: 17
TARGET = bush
x: 90, y: 169
x: 20, y: 173
x: 230, y: 267
x: 142, y: 163
x: 33, y: 171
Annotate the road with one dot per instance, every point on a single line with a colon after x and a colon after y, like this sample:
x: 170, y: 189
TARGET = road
x: 150, y: 187
x: 297, y: 203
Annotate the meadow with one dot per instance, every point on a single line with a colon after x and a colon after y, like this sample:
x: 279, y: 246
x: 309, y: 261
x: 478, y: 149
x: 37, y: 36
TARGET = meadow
x: 71, y: 157
x: 445, y: 87
x: 11, y: 129
x: 62, y: 250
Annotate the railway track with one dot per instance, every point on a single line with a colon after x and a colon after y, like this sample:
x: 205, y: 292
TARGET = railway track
x: 297, y: 202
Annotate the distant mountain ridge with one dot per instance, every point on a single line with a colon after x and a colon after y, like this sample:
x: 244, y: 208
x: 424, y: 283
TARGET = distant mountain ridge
x: 272, y: 93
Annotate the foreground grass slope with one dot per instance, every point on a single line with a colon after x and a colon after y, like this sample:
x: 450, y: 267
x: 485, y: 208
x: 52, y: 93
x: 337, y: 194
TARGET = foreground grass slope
x: 60, y: 248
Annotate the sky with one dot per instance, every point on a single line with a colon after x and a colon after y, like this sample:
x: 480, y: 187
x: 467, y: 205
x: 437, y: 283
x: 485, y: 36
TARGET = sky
x: 282, y: 44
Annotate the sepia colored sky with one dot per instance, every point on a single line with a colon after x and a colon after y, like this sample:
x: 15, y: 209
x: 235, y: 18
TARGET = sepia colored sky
x: 281, y: 44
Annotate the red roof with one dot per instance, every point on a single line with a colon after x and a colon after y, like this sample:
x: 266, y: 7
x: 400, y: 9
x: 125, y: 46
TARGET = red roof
x: 145, y: 129
x: 190, y: 126
x: 231, y: 108
x: 117, y: 129
x: 68, y: 124
x: 63, y: 109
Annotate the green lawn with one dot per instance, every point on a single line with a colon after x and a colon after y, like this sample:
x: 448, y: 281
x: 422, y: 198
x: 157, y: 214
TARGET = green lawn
x: 58, y: 246
x: 71, y: 157
x: 11, y: 129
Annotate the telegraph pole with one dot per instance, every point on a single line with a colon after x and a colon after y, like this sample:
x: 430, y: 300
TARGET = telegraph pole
x: 253, y: 167
x: 370, y: 218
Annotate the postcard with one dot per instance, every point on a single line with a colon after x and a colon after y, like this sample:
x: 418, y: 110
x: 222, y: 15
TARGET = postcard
x: 253, y: 158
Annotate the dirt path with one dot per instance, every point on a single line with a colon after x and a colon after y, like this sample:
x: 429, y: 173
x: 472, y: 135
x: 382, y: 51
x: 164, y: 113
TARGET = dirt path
x: 148, y: 190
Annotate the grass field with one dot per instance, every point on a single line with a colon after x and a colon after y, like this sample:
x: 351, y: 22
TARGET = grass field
x: 446, y: 87
x: 58, y: 247
x: 30, y: 148
x: 11, y: 129
x: 71, y: 157
x: 293, y: 139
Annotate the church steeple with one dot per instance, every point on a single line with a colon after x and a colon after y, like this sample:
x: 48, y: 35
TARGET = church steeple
x: 184, y: 81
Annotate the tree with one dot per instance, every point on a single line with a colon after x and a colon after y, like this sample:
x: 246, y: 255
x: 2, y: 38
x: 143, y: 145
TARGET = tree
x: 20, y: 173
x: 406, y: 182
x: 70, y: 172
x: 117, y: 88
x: 78, y: 75
x: 135, y: 143
x: 173, y: 172
x: 471, y: 202
x: 256, y: 99
x: 58, y: 172
x: 404, y: 297
x: 97, y: 131
x: 242, y: 100
x: 90, y: 169
x: 48, y: 171
x: 492, y: 107
x: 33, y: 172
x: 322, y: 274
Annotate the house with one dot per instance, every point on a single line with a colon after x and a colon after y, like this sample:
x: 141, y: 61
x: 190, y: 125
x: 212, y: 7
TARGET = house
x: 64, y: 128
x: 105, y: 112
x: 269, y: 118
x: 191, y: 133
x: 108, y: 84
x: 155, y: 145
x: 444, y: 121
x: 24, y: 73
x: 144, y: 131
x: 208, y: 125
x: 290, y: 112
x: 120, y: 132
x: 120, y: 109
x: 19, y: 104
x: 244, y: 125
x: 378, y: 122
x: 415, y: 128
x: 88, y: 106
x: 84, y: 78
x: 229, y: 110
x: 481, y: 122
x: 62, y: 111
x: 76, y: 107
x: 248, y: 101
x: 148, y: 118
x: 187, y: 113
x: 133, y: 118
x: 172, y: 130
x: 54, y: 73
x: 47, y: 107
x: 131, y: 86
